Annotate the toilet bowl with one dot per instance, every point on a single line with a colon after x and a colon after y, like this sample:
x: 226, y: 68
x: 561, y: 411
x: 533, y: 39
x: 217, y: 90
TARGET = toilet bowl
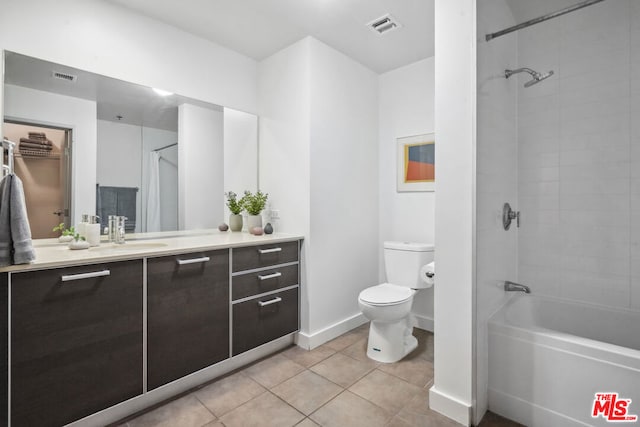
x: 388, y: 305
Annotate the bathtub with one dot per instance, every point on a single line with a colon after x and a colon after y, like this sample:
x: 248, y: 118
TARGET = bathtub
x: 548, y: 358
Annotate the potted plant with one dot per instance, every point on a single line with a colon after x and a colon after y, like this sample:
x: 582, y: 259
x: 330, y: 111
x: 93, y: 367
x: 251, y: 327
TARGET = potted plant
x: 254, y: 205
x: 236, y: 206
x: 66, y: 233
x: 78, y: 242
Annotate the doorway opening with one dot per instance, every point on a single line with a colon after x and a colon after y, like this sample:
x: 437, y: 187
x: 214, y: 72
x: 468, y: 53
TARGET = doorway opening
x: 42, y: 161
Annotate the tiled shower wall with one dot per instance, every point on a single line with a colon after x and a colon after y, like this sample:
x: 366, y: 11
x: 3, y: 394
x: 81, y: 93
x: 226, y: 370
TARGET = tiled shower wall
x: 579, y: 156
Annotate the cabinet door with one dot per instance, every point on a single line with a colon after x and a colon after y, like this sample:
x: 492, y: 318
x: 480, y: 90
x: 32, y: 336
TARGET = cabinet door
x: 4, y: 352
x: 263, y: 319
x: 188, y: 314
x: 76, y: 341
x: 250, y: 257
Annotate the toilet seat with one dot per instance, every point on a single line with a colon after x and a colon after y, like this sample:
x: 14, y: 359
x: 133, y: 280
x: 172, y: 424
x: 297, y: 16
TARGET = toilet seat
x: 386, y: 294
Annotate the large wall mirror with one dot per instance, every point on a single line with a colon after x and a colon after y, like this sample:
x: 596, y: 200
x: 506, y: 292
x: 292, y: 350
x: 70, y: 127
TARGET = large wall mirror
x: 90, y: 144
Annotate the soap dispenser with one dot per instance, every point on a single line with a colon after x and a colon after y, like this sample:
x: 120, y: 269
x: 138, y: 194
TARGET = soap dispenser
x: 92, y: 231
x: 81, y: 227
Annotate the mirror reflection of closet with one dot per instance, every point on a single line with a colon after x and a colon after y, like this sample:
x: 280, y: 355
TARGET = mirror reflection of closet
x: 41, y: 162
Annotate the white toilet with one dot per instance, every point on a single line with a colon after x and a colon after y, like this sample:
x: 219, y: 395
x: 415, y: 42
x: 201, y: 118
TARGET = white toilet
x: 388, y: 305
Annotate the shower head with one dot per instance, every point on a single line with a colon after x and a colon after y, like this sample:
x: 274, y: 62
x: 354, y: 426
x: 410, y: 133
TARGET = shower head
x: 537, y: 77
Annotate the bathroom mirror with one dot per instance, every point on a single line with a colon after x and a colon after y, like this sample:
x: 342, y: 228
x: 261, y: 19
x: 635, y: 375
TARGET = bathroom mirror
x: 91, y: 144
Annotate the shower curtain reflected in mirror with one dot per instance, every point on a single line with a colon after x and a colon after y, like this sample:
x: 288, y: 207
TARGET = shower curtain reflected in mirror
x: 153, y: 197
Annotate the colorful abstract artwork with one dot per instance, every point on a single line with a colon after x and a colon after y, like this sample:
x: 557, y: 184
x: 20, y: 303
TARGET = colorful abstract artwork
x: 416, y: 163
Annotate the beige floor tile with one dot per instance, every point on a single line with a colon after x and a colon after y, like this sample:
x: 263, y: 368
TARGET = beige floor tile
x: 414, y: 369
x: 350, y: 410
x: 308, y: 358
x: 386, y: 391
x: 418, y: 414
x: 184, y: 412
x: 357, y: 350
x: 307, y: 391
x: 362, y: 329
x: 399, y: 422
x: 228, y: 393
x: 344, y: 341
x: 214, y: 424
x: 265, y: 410
x: 307, y: 422
x: 274, y: 370
x: 343, y: 370
x: 425, y: 344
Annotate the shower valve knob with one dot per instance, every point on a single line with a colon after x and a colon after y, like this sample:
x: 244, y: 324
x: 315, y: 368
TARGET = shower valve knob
x: 509, y: 215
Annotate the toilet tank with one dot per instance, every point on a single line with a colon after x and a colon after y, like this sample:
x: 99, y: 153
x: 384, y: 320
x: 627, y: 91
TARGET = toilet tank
x: 402, y: 261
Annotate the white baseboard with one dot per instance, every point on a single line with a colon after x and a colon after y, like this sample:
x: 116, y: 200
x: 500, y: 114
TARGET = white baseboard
x: 528, y: 413
x: 450, y: 407
x: 310, y: 341
x: 423, y: 322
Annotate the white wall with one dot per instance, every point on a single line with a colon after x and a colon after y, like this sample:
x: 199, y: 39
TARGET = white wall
x: 284, y: 110
x: 455, y: 76
x: 67, y: 112
x: 119, y: 159
x: 201, y: 149
x: 318, y: 161
x: 406, y: 108
x: 107, y: 39
x: 344, y: 177
x: 240, y: 151
x: 497, y: 162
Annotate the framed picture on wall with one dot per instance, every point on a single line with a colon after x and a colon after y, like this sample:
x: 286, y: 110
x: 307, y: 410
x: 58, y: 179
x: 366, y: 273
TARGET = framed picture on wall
x: 416, y: 163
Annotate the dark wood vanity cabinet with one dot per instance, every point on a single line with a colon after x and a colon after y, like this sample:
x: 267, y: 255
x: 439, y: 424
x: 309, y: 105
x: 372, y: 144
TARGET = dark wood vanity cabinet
x: 76, y: 341
x: 188, y: 314
x: 265, y: 293
x: 4, y: 346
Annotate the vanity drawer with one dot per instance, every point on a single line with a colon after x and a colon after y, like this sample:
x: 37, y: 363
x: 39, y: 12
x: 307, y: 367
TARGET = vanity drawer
x: 76, y: 341
x: 263, y: 319
x: 246, y: 285
x: 251, y: 257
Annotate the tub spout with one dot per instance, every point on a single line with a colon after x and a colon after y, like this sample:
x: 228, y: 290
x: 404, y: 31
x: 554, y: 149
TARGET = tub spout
x: 511, y: 287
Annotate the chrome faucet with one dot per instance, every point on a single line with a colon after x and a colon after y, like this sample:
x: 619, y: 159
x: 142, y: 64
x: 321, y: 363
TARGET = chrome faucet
x: 117, y: 229
x: 511, y: 287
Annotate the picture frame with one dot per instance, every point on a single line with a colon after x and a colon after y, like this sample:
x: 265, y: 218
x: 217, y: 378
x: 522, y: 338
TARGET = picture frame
x: 416, y: 163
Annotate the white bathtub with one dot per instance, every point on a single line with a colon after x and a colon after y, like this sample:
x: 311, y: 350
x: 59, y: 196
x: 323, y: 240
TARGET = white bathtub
x: 548, y: 358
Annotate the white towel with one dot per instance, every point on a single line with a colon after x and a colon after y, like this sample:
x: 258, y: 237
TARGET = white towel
x: 153, y: 196
x: 16, y: 246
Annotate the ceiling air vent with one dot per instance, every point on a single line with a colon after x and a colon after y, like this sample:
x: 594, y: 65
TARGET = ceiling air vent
x: 384, y: 24
x: 64, y: 76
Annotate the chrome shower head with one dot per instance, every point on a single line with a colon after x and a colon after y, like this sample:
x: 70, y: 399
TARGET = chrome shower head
x: 537, y: 77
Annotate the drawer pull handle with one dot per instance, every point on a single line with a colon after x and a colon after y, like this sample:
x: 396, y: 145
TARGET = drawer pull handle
x: 271, y: 301
x: 269, y: 251
x: 80, y: 276
x: 193, y: 260
x: 270, y: 276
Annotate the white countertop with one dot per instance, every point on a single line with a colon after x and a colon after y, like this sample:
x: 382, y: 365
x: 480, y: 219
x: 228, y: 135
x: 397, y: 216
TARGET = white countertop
x: 50, y: 253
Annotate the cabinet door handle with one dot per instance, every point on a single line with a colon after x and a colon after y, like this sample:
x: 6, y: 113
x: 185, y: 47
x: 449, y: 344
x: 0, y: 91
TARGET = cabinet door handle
x: 80, y: 276
x: 270, y: 276
x: 193, y: 260
x: 271, y: 301
x: 269, y: 251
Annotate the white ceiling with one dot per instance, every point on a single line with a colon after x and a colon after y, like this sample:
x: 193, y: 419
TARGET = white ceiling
x: 260, y: 28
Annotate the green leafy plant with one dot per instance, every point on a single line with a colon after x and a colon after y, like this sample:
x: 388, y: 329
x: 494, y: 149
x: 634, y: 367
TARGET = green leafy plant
x: 64, y: 230
x: 77, y: 237
x: 234, y: 204
x: 255, y: 203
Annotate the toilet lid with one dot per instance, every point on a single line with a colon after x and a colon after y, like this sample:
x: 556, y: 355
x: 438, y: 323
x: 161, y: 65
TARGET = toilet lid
x: 386, y: 294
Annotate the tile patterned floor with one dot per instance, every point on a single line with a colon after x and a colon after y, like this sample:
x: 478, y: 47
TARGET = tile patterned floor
x: 332, y: 385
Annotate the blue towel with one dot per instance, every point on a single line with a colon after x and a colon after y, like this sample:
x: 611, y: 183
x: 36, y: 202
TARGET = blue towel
x: 16, y: 246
